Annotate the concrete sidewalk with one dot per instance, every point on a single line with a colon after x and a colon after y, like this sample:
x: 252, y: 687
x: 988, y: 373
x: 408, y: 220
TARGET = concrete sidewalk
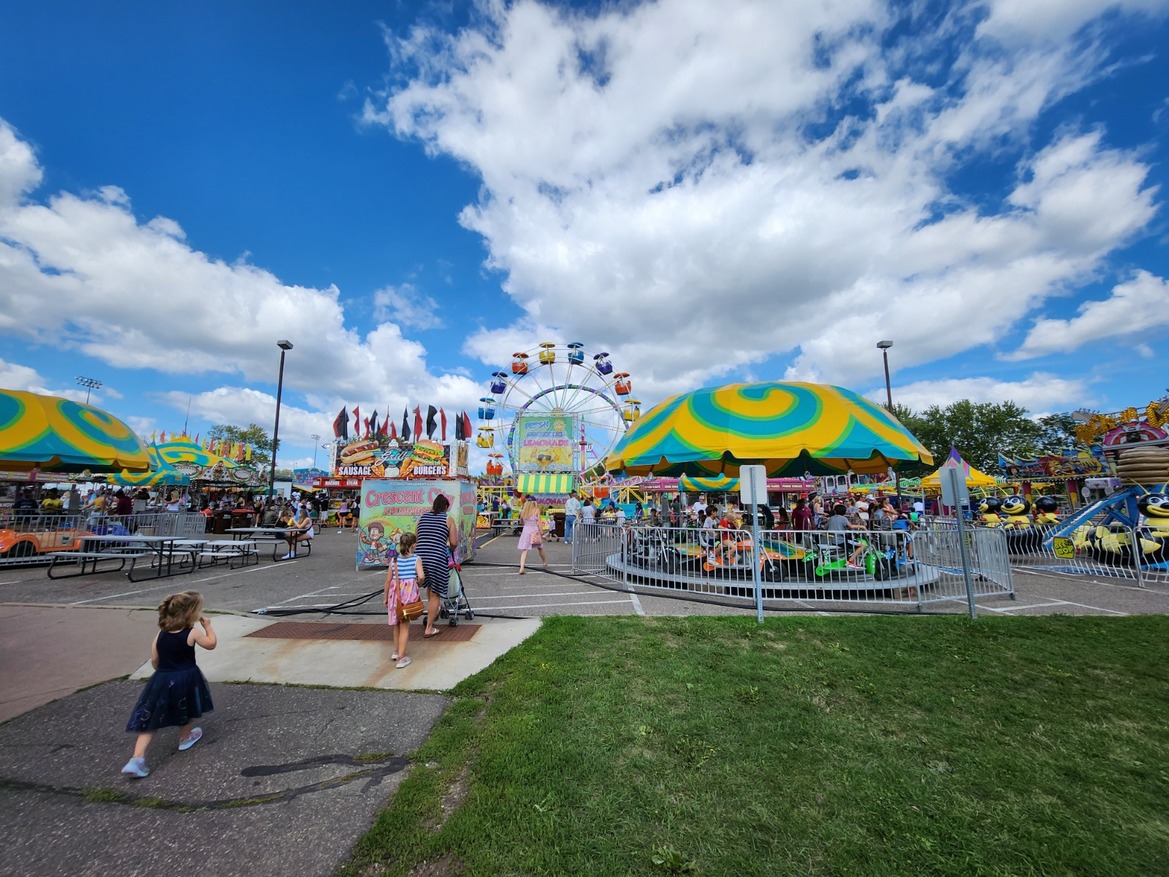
x: 286, y: 778
x: 48, y: 652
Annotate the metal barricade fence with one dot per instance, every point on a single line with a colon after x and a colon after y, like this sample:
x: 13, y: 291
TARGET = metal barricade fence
x: 1097, y: 548
x: 862, y: 568
x: 27, y: 537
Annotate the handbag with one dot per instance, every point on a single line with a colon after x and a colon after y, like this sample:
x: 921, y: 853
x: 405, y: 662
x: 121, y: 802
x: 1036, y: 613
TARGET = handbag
x: 406, y: 611
x: 410, y: 611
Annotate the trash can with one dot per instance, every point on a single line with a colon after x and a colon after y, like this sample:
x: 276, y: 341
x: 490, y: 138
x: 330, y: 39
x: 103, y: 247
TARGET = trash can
x: 558, y: 524
x: 220, y: 521
x: 242, y: 518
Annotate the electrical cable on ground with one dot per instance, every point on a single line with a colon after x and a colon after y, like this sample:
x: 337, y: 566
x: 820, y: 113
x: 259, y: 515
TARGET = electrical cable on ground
x: 340, y: 608
x: 705, y: 601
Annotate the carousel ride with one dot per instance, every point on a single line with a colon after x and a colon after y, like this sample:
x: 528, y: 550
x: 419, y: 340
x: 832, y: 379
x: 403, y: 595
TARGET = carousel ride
x: 789, y: 429
x: 554, y: 380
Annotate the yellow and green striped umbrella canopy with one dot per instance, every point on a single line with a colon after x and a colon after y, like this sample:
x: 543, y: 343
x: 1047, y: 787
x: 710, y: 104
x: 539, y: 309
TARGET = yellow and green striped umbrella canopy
x: 48, y: 432
x: 791, y: 428
x: 162, y: 473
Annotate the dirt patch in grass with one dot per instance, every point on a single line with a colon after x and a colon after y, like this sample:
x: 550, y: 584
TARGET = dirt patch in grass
x: 453, y: 799
x: 446, y: 866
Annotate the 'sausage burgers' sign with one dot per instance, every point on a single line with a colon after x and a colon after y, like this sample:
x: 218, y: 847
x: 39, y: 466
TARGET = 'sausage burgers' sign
x: 390, y: 458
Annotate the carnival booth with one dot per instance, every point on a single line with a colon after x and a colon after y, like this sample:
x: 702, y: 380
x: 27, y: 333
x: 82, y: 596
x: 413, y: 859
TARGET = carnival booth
x: 391, y: 507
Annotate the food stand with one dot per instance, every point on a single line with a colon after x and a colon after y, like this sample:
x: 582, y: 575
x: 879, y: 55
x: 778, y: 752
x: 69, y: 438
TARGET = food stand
x: 396, y: 481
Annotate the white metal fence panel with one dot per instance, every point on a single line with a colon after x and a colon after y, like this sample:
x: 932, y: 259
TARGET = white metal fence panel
x: 1099, y: 548
x: 853, y: 567
x: 29, y: 537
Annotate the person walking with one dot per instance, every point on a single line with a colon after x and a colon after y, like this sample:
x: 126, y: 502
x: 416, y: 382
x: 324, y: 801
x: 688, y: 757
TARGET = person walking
x: 177, y: 693
x: 530, y: 537
x: 406, y: 574
x: 802, y: 517
x: 571, y: 513
x: 437, y: 540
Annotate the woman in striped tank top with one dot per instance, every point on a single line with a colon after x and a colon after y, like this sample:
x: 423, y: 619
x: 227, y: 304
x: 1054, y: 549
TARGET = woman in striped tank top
x: 437, y: 538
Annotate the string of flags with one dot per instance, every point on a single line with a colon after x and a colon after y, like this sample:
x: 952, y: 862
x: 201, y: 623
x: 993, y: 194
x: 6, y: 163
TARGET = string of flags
x: 238, y: 452
x: 420, y: 426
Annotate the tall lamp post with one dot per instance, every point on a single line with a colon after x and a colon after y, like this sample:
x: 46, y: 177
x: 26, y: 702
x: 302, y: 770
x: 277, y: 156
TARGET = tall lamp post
x: 284, y: 346
x: 884, y: 346
x: 316, y: 438
x: 90, y: 384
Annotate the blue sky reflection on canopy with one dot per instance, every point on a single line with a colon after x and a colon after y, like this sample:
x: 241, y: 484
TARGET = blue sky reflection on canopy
x: 741, y: 191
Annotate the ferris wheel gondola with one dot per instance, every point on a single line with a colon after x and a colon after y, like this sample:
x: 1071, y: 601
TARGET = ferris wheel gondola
x: 552, y: 381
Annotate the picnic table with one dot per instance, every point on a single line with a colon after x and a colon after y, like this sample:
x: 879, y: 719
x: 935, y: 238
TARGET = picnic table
x: 278, y: 536
x: 167, y: 555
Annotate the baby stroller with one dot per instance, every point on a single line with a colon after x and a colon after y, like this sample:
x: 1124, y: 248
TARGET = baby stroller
x: 455, y: 600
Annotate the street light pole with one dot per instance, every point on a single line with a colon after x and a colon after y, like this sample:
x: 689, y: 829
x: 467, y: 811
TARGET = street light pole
x: 884, y: 346
x: 316, y: 438
x: 284, y: 346
x: 90, y: 384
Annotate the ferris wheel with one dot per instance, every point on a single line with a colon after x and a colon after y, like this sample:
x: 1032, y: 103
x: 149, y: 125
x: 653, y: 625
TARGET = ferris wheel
x: 556, y: 407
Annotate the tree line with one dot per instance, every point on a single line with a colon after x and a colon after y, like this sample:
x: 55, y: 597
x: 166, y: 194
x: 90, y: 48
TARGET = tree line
x: 983, y: 430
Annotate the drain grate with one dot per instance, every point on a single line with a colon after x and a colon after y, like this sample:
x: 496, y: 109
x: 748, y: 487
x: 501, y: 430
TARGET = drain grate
x: 357, y: 631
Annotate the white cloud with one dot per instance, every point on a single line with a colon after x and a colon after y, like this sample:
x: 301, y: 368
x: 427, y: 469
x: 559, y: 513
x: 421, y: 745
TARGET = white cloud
x: 661, y: 179
x: 14, y: 376
x: 1020, y: 21
x: 1038, y: 392
x: 406, y: 306
x: 135, y: 295
x: 1137, y: 306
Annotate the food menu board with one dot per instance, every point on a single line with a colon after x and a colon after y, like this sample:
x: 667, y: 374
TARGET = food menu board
x: 382, y: 458
x: 391, y: 507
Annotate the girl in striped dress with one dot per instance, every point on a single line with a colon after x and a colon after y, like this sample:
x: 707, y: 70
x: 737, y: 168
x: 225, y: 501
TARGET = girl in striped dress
x: 437, y: 539
x: 402, y: 581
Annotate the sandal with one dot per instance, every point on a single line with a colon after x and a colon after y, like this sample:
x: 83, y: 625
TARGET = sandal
x: 434, y: 632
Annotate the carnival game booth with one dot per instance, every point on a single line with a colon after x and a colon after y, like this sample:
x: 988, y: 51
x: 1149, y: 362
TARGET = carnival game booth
x: 398, y: 481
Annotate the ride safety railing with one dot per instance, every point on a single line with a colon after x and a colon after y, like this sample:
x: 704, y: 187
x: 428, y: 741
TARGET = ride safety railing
x: 890, y: 568
x: 32, y: 536
x: 1096, y: 548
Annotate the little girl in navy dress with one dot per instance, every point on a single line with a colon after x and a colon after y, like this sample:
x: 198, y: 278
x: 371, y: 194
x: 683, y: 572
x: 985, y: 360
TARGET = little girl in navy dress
x: 177, y: 693
x: 402, y: 582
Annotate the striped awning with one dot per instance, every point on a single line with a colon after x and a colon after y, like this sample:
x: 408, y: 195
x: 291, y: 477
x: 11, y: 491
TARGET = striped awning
x: 546, y: 483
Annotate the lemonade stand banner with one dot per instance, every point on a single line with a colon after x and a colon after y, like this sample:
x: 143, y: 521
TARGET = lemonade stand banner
x: 391, y: 507
x: 545, y: 443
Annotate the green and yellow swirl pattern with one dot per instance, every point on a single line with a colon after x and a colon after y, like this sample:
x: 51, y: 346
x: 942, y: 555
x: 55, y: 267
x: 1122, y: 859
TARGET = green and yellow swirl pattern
x: 59, y: 435
x: 791, y: 428
x: 162, y: 474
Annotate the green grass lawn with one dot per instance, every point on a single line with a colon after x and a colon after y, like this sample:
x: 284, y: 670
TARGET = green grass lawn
x: 811, y: 746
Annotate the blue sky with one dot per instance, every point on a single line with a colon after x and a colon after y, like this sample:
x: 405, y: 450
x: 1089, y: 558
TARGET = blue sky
x: 711, y: 192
